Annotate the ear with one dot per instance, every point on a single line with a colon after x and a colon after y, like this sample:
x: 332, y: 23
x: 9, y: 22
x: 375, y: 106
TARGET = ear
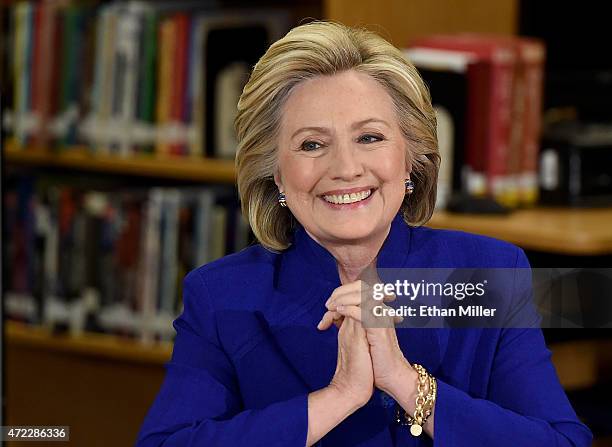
x: 408, y: 168
x: 408, y: 160
x: 278, y: 181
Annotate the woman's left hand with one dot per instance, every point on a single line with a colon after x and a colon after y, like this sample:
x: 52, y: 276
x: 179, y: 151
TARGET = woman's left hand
x: 391, y: 369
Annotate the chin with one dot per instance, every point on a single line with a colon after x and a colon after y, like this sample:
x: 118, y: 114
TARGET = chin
x: 351, y: 231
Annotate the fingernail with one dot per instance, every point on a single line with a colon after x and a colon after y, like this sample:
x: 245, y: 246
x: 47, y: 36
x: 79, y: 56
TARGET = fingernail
x: 319, y: 325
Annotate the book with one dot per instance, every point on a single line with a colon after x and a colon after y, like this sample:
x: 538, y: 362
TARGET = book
x: 445, y: 74
x: 111, y: 259
x: 178, y: 103
x: 22, y: 69
x: 491, y: 78
x: 533, y: 55
x: 167, y: 33
x: 130, y: 24
x: 122, y: 78
x: 235, y: 39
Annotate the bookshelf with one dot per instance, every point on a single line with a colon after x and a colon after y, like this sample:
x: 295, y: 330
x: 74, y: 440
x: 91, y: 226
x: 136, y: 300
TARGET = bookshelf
x: 569, y: 231
x: 79, y: 158
x: 80, y: 381
x: 101, y: 346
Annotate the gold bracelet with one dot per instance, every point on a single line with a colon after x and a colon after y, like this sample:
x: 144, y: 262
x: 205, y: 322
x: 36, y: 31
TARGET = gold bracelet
x: 429, y: 404
x: 423, y: 404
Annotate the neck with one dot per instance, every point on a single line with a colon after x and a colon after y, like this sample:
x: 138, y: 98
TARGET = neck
x: 354, y: 258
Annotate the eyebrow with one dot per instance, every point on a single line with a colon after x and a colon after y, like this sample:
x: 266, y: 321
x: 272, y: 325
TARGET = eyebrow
x: 354, y: 126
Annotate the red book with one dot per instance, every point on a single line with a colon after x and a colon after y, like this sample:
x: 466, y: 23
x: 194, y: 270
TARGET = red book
x: 36, y: 89
x: 179, y: 89
x: 533, y: 54
x: 490, y: 79
x: 43, y: 66
x: 527, y: 92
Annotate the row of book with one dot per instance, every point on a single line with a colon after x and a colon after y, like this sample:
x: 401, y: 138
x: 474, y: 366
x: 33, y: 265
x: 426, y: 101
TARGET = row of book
x: 488, y: 92
x: 131, y: 77
x: 111, y: 261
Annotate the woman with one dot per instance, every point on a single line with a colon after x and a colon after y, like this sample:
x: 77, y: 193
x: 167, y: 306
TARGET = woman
x: 337, y: 167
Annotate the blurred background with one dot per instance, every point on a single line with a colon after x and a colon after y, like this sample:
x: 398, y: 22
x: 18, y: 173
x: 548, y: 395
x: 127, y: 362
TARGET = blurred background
x: 118, y: 176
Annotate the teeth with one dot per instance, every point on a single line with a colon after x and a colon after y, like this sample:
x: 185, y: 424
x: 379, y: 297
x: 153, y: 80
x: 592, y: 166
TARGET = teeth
x: 348, y: 198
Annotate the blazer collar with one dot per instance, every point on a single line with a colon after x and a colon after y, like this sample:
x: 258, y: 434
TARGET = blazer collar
x: 314, y: 262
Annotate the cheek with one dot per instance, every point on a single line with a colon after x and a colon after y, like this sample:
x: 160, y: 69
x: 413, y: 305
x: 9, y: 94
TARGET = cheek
x: 299, y: 176
x: 392, y: 168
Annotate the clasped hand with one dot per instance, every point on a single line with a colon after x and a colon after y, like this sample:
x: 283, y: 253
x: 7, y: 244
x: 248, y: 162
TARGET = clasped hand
x: 369, y: 354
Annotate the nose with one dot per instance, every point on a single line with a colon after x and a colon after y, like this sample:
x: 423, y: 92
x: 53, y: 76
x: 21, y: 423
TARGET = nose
x: 346, y: 163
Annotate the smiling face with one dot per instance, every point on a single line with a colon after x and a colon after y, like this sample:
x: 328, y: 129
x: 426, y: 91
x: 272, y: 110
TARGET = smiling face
x: 342, y: 158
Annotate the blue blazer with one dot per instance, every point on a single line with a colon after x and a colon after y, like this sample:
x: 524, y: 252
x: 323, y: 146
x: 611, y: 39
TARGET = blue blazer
x: 247, y: 353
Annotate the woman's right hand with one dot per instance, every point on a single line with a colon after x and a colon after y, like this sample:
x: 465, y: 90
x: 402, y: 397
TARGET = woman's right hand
x: 350, y: 388
x: 354, y: 376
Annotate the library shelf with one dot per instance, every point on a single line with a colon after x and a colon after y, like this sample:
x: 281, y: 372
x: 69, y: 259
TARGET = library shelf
x: 106, y: 346
x: 579, y: 363
x: 567, y: 231
x: 80, y: 158
x: 562, y: 230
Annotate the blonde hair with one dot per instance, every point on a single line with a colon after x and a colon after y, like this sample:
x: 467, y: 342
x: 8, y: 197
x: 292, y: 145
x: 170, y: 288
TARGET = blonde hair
x: 324, y: 49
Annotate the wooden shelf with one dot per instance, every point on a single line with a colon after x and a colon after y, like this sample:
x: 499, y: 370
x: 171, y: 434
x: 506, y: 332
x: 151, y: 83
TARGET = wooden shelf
x: 571, y: 231
x: 80, y: 158
x: 92, y: 345
x: 582, y: 363
x: 579, y: 364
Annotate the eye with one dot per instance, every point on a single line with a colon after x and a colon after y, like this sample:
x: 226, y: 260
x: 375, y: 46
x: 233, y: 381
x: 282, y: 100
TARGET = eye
x: 309, y: 146
x: 369, y: 138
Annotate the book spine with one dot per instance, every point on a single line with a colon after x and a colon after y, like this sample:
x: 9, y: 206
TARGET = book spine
x: 150, y: 264
x: 44, y: 74
x: 533, y: 57
x: 30, y: 118
x: 55, y: 62
x: 22, y: 71
x: 107, y: 89
x: 165, y: 90
x: 147, y: 82
x: 129, y: 28
x: 219, y: 231
x: 179, y: 87
x: 169, y: 258
x: 36, y: 69
x: 196, y: 89
x: 203, y: 232
x: 228, y: 87
x: 511, y: 198
x: 504, y: 60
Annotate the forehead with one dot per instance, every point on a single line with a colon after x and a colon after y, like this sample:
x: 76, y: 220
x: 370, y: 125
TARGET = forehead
x: 337, y: 100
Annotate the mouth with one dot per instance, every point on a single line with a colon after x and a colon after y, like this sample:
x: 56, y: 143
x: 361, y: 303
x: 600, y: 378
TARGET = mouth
x: 345, y: 199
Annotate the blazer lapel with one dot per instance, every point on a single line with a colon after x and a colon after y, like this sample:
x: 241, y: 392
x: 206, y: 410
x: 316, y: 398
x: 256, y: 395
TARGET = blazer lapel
x: 313, y: 353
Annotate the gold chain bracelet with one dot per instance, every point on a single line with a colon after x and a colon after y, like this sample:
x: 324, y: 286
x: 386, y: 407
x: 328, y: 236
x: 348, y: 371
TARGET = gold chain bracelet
x: 424, y: 404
